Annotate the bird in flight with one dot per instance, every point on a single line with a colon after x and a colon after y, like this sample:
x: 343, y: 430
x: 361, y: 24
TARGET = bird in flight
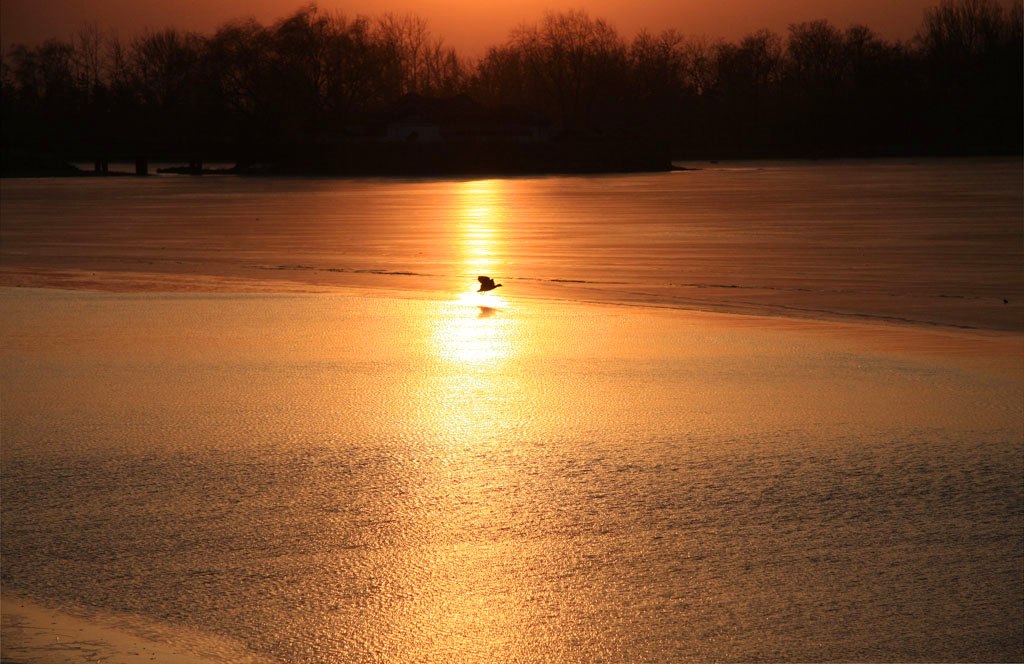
x: 487, y: 284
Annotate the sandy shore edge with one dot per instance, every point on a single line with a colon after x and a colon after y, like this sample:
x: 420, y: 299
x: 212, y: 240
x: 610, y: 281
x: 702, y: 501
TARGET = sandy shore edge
x: 34, y: 634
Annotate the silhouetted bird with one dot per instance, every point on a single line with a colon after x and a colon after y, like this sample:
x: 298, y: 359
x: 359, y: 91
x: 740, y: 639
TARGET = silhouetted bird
x: 486, y: 284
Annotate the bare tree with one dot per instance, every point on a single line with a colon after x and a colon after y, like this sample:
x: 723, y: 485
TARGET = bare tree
x: 957, y: 28
x: 89, y: 63
x: 701, y: 63
x: 576, y: 66
x: 405, y: 39
x: 815, y: 52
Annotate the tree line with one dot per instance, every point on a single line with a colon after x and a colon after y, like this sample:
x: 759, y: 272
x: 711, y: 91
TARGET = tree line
x: 818, y: 90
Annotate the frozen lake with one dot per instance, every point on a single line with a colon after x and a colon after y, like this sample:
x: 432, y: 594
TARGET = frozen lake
x: 933, y: 242
x: 325, y: 448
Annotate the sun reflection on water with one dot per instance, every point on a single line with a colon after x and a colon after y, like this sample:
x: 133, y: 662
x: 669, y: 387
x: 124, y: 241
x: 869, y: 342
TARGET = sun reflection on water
x: 473, y: 334
x: 480, y: 220
x: 476, y: 332
x: 472, y: 404
x: 473, y: 392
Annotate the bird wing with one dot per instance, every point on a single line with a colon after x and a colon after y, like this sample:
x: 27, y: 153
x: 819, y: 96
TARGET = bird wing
x: 485, y: 280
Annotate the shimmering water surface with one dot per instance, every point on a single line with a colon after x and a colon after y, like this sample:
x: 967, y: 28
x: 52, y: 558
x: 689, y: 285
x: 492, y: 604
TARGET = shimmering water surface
x: 333, y: 479
x: 429, y: 474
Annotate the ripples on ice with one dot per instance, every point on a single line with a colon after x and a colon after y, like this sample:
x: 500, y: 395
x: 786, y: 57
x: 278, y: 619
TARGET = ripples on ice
x: 335, y: 479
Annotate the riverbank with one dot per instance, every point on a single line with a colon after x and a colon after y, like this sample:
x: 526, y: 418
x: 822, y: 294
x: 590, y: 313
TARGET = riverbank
x: 403, y: 158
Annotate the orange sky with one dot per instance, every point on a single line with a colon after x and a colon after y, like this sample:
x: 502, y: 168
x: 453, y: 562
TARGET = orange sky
x: 469, y: 25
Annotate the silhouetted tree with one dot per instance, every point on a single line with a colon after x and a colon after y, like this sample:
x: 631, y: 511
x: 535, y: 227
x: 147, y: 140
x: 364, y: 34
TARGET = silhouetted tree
x: 417, y: 62
x: 309, y: 78
x: 239, y: 55
x: 43, y: 87
x: 660, y: 79
x: 958, y: 30
x: 355, y: 62
x: 574, y: 68
x: 500, y: 76
x: 747, y: 87
x: 972, y: 59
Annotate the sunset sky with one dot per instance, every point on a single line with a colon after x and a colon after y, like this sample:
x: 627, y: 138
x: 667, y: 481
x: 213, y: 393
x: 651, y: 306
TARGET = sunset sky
x: 468, y: 25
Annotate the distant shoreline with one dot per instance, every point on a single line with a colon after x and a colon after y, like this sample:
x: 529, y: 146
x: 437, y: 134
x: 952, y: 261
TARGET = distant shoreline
x: 41, y: 165
x: 386, y: 159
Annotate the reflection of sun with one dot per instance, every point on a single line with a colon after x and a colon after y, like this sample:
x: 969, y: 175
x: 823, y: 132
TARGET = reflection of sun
x: 471, y: 400
x: 480, y: 218
x: 473, y: 298
x: 473, y: 335
x: 476, y: 332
